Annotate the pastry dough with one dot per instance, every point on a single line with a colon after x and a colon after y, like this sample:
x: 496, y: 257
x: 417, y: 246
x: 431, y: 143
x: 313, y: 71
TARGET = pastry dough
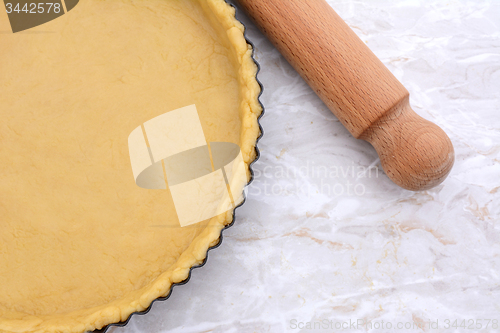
x: 81, y: 245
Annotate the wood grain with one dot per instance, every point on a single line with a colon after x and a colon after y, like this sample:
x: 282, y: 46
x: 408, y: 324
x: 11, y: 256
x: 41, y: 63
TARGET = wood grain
x: 356, y: 86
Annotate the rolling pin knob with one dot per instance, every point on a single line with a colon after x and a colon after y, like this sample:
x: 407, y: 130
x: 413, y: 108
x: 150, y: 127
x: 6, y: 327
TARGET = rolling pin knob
x: 415, y: 153
x: 356, y: 86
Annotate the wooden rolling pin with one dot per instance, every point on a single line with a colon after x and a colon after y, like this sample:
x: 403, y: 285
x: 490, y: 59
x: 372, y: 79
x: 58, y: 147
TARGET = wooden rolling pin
x: 356, y: 86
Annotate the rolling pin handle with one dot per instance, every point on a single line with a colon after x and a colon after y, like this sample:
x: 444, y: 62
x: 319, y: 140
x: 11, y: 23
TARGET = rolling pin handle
x: 415, y: 153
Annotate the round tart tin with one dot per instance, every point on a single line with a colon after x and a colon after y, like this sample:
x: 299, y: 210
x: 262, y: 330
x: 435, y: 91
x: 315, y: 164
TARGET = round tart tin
x: 79, y: 87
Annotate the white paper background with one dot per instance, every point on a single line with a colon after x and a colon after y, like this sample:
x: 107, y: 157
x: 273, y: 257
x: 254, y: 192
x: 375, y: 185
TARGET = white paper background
x: 388, y: 254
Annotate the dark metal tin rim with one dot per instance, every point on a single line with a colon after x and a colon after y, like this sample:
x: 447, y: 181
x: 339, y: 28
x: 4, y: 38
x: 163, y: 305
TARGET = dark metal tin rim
x: 161, y: 299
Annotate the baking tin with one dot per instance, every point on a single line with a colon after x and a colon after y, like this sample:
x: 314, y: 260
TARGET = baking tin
x: 161, y: 299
